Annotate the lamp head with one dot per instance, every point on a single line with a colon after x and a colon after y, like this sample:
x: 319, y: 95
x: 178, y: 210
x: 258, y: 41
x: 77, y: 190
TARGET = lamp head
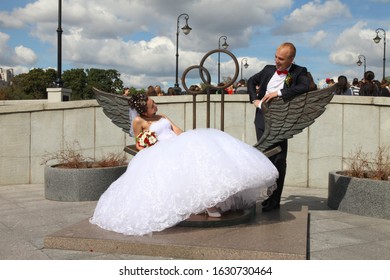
x: 246, y: 65
x: 186, y: 29
x: 377, y: 39
x: 359, y: 62
x: 225, y: 45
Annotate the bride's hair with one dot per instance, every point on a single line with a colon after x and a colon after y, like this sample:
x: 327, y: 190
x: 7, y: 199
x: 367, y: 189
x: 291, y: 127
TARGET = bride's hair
x: 138, y: 102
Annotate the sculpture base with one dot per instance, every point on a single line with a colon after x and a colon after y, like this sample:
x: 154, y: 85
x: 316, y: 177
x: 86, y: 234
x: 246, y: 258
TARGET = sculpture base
x: 276, y: 235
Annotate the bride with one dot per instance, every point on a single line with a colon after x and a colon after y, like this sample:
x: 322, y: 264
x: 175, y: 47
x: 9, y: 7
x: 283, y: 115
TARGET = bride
x: 183, y: 173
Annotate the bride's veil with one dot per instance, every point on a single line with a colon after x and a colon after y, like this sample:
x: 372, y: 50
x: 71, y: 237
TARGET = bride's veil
x: 132, y: 115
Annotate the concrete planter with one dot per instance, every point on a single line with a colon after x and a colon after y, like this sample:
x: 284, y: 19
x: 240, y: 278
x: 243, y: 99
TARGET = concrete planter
x: 363, y: 197
x: 83, y: 184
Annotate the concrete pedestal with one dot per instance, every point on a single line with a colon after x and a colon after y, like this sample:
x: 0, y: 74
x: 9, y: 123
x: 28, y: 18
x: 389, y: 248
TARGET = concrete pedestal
x: 58, y: 94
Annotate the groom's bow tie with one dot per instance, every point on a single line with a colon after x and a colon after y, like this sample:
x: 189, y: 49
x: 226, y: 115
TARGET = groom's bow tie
x: 280, y: 72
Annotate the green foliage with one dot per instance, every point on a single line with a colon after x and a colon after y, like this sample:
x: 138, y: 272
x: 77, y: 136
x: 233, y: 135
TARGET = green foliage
x: 76, y: 80
x: 106, y: 80
x: 33, y: 85
x: 133, y: 90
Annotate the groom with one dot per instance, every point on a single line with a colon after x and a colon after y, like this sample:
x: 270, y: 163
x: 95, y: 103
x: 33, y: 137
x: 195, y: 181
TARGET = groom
x: 284, y: 79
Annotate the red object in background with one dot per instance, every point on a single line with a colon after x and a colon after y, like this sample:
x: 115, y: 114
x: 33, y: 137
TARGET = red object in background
x: 229, y: 90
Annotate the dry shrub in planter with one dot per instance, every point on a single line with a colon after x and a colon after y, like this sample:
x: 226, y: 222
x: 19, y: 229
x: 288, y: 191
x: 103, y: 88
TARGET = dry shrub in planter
x: 72, y: 157
x: 78, y: 178
x: 363, y: 188
x: 362, y: 165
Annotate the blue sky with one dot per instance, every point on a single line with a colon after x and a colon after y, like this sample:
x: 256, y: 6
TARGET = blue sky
x: 138, y: 37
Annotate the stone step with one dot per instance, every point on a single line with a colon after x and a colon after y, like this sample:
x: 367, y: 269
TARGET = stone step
x: 276, y: 235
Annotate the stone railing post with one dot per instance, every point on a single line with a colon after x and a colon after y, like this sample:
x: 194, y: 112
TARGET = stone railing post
x: 58, y: 94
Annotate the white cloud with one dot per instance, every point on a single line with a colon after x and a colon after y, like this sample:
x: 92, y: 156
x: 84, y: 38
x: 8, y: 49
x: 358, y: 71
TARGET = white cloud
x: 9, y: 21
x: 311, y: 15
x: 4, y: 38
x: 25, y: 55
x: 14, y: 57
x: 354, y: 41
x: 100, y: 33
x: 318, y: 38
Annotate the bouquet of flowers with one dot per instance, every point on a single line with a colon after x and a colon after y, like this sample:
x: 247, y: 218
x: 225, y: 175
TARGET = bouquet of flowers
x: 146, y: 138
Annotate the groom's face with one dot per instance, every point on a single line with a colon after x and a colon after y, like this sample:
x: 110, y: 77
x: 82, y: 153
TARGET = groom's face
x: 283, y: 58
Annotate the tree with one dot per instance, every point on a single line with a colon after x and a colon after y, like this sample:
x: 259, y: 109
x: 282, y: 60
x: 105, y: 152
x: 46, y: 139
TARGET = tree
x: 106, y: 80
x: 76, y: 80
x: 32, y: 85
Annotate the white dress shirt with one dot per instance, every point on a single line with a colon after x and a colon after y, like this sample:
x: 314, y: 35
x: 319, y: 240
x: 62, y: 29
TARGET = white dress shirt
x: 275, y: 84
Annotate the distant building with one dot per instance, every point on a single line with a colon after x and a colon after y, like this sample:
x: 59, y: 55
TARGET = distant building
x: 6, y: 76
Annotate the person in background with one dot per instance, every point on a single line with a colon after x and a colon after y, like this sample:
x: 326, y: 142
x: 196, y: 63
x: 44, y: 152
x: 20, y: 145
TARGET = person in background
x: 158, y: 90
x: 171, y: 91
x: 368, y: 87
x: 241, y: 87
x: 385, y: 89
x: 342, y: 87
x: 229, y: 89
x: 195, y: 88
x: 327, y: 82
x: 151, y: 91
x: 355, y: 86
x: 126, y: 91
x: 313, y: 85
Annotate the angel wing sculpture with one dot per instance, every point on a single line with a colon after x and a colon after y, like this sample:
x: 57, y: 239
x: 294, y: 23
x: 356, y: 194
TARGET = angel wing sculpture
x: 285, y: 118
x: 115, y: 107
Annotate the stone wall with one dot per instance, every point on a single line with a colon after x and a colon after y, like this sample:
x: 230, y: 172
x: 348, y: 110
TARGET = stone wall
x: 28, y: 130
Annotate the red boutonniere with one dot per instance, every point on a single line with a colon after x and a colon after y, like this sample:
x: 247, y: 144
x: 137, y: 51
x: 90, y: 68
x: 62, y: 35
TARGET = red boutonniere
x: 289, y: 79
x: 146, y: 138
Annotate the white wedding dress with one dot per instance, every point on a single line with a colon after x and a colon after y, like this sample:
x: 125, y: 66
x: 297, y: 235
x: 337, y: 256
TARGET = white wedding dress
x: 181, y: 175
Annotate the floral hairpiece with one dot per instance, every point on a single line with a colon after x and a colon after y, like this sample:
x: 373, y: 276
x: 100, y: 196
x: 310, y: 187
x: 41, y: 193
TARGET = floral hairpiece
x: 138, y: 102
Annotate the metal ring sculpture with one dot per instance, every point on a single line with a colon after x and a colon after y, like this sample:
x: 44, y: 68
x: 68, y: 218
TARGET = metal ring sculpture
x: 207, y: 82
x: 203, y: 70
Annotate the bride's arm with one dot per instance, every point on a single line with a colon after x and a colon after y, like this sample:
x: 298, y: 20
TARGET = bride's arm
x: 137, y: 126
x: 175, y: 128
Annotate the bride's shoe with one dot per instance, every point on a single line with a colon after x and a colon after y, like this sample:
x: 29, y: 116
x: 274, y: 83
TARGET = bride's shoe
x: 213, y: 212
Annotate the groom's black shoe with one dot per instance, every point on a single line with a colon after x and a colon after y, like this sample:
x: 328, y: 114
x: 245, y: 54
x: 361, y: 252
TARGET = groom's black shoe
x: 265, y: 202
x: 271, y: 205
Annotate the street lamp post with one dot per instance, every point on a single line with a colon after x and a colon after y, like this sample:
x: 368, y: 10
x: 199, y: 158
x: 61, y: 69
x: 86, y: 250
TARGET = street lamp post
x: 186, y: 30
x: 59, y: 81
x: 377, y: 39
x: 224, y: 46
x: 359, y: 62
x: 244, y: 65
